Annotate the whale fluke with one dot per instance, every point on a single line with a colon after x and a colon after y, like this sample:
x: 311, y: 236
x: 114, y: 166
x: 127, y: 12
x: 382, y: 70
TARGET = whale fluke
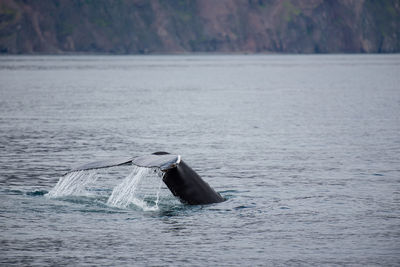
x: 163, y: 162
x: 181, y: 180
x: 102, y: 164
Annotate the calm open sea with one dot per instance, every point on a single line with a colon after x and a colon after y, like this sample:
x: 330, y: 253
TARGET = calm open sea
x: 305, y: 148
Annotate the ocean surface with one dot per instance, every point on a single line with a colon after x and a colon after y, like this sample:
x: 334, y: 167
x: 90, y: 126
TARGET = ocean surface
x: 305, y: 149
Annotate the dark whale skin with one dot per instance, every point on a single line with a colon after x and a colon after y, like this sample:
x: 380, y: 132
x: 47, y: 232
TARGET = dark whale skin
x: 188, y: 186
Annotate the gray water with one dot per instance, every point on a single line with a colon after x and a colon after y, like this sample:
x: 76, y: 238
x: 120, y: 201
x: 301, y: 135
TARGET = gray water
x: 306, y: 150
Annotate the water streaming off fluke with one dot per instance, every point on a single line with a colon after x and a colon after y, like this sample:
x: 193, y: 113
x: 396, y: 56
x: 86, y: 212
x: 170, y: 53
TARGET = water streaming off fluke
x: 134, y: 190
x: 141, y: 188
x: 74, y: 183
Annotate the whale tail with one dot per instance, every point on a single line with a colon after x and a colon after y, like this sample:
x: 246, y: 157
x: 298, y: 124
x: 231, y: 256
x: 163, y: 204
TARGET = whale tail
x: 160, y: 161
x: 181, y: 180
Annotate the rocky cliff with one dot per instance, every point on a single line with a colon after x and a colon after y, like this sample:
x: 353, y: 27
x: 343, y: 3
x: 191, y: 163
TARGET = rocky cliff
x: 179, y: 26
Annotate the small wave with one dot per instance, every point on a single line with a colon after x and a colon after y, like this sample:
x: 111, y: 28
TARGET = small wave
x: 240, y: 207
x: 13, y: 192
x: 37, y: 193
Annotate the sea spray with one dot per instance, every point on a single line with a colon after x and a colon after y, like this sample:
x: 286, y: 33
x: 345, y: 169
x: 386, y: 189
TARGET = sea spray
x: 74, y: 183
x: 138, y: 189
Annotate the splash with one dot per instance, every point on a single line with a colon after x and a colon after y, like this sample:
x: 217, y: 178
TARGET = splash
x: 138, y: 188
x: 134, y: 189
x: 74, y: 183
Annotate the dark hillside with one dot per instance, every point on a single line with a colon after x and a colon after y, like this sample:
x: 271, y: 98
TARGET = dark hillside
x: 161, y: 26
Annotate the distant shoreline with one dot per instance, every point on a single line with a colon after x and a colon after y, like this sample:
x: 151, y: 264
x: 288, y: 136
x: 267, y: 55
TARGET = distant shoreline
x: 189, y: 54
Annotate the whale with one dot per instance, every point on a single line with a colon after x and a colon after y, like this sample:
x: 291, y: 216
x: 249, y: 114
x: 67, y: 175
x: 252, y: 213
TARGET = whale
x: 183, y: 182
